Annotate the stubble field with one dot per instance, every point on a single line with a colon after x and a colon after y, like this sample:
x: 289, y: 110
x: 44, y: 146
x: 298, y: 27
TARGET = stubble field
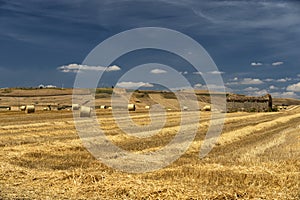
x: 256, y: 157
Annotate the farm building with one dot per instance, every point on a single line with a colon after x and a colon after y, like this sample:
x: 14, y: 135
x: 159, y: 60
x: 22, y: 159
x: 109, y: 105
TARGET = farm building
x: 249, y: 104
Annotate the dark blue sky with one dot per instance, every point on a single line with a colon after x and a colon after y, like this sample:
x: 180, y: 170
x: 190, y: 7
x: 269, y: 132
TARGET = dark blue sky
x: 254, y: 43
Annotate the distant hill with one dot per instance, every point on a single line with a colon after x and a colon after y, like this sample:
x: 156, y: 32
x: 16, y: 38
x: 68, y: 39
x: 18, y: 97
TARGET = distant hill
x: 286, y: 101
x: 31, y: 92
x: 141, y: 97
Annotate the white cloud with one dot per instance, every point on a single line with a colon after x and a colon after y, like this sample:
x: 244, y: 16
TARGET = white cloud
x: 77, y: 67
x: 283, y: 80
x: 235, y: 78
x: 199, y: 73
x: 130, y: 84
x: 269, y: 80
x: 215, y: 72
x: 255, y: 64
x: 113, y: 68
x: 298, y: 75
x: 198, y: 85
x: 277, y: 63
x: 272, y: 87
x: 294, y: 87
x: 284, y: 95
x: 184, y: 73
x: 249, y: 89
x: 214, y: 87
x: 158, y: 71
x: 251, y: 81
x: 232, y: 83
x: 257, y: 92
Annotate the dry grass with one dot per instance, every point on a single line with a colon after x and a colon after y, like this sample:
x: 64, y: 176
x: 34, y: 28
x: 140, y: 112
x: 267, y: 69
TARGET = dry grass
x: 257, y: 157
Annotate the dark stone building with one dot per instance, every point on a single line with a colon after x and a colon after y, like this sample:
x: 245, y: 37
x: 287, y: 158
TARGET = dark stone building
x: 249, y: 104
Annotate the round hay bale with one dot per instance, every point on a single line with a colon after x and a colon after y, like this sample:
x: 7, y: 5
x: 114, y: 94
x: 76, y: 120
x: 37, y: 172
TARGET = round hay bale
x: 22, y: 108
x: 103, y: 107
x: 109, y: 108
x: 131, y: 107
x: 30, y: 109
x: 207, y: 108
x: 147, y: 107
x: 75, y: 106
x: 85, y: 111
x: 45, y: 109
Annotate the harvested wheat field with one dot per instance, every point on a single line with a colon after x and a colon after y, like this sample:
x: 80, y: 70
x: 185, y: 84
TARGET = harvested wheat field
x: 256, y: 157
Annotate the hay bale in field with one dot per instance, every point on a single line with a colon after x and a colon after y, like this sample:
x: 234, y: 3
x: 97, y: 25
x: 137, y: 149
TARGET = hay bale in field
x: 14, y: 108
x: 207, y: 108
x: 109, y: 108
x: 22, y: 108
x: 46, y: 109
x: 185, y: 108
x: 103, y: 107
x: 75, y: 106
x: 147, y: 107
x: 85, y: 111
x: 30, y: 109
x: 4, y: 108
x: 131, y: 107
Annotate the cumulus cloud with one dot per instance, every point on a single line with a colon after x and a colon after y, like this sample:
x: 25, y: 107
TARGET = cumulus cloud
x: 133, y: 85
x: 113, y: 68
x: 272, y: 87
x: 249, y: 89
x: 257, y: 92
x: 216, y: 88
x: 294, y: 87
x: 231, y: 83
x: 260, y: 92
x: 77, y: 67
x: 212, y: 87
x: 269, y: 80
x: 251, y: 81
x: 284, y: 95
x: 158, y: 71
x: 245, y: 81
x: 198, y: 85
x: 283, y: 80
x: 277, y: 63
x: 256, y: 64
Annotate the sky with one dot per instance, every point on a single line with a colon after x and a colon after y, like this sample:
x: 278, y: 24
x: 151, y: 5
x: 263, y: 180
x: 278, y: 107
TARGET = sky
x: 255, y: 44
